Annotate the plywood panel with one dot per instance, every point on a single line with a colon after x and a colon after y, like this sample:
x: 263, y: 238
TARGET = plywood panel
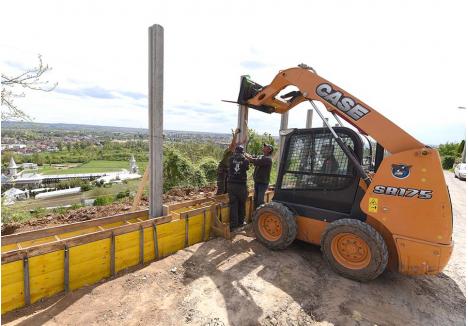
x: 36, y: 242
x: 113, y: 225
x: 46, y: 275
x: 78, y: 232
x: 12, y: 286
x: 195, y: 229
x: 127, y: 250
x: 89, y: 263
x: 9, y: 247
x: 148, y: 245
x: 171, y: 237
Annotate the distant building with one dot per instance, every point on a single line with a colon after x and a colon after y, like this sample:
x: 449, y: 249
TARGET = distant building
x: 133, y: 165
x: 13, y: 146
x: 14, y: 194
x: 12, y: 168
x: 32, y: 166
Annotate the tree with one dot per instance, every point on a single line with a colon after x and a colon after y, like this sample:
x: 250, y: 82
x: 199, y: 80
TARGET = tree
x: 255, y: 142
x: 460, y: 148
x: 448, y: 149
x: 31, y: 79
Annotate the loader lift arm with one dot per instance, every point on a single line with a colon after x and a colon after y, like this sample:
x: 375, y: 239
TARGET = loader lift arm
x: 313, y: 87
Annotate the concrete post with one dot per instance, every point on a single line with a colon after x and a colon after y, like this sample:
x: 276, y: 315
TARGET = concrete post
x: 155, y: 91
x: 325, y: 123
x: 310, y: 114
x: 283, y: 126
x: 242, y: 123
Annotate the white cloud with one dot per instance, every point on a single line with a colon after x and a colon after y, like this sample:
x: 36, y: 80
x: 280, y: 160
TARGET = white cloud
x: 405, y: 59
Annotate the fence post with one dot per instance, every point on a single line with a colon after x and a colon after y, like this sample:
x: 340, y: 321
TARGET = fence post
x: 155, y: 85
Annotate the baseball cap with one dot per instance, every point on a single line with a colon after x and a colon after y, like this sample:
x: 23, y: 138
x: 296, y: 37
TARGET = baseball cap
x: 269, y: 146
x: 239, y: 149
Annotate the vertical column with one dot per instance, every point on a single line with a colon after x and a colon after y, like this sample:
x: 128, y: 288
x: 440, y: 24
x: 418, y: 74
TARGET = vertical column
x: 242, y: 122
x: 283, y: 126
x: 325, y: 122
x: 155, y: 91
x: 310, y: 114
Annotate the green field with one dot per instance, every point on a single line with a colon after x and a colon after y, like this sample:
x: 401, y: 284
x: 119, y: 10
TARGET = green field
x: 91, y: 167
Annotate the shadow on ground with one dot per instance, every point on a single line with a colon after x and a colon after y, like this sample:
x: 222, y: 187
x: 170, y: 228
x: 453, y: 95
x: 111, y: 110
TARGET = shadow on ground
x: 295, y: 286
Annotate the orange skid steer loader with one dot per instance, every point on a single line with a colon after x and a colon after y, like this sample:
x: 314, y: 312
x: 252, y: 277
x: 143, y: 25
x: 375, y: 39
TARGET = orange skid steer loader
x: 368, y: 208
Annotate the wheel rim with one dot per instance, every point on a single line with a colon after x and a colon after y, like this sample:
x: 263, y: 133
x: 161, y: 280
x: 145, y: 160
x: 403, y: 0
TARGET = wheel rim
x: 351, y: 251
x: 270, y: 226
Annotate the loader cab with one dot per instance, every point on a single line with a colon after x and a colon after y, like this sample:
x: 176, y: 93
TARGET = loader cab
x: 316, y: 179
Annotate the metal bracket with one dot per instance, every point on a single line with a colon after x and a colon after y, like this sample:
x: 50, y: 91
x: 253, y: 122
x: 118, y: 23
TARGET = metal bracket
x: 66, y: 269
x: 204, y: 225
x: 142, y: 245
x: 27, y: 293
x: 155, y: 240
x: 186, y: 230
x: 112, y: 254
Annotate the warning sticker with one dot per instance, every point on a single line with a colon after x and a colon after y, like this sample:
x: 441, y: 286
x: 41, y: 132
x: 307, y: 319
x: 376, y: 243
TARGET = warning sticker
x: 373, y: 205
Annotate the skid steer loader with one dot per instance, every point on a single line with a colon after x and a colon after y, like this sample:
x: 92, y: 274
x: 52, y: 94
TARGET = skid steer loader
x: 368, y: 207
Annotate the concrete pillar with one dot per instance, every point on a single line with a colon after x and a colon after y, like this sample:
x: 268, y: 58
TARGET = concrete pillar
x: 242, y: 123
x: 310, y: 114
x: 283, y: 126
x: 155, y: 91
x: 324, y: 123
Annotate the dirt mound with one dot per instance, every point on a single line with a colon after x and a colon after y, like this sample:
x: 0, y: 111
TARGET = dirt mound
x: 181, y: 194
x: 89, y: 213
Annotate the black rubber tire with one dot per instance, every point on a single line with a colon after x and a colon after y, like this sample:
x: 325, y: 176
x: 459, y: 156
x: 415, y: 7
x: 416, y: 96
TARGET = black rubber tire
x: 455, y: 175
x: 288, y: 223
x: 378, y: 248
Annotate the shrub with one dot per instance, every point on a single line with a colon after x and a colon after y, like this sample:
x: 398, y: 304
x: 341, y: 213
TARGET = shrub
x: 37, y: 212
x: 179, y: 171
x: 86, y: 186
x: 10, y: 215
x: 447, y: 162
x: 210, y: 167
x: 122, y: 194
x: 198, y: 178
x: 103, y: 201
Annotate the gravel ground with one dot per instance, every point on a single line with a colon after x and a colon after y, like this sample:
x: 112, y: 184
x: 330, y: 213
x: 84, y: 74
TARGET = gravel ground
x: 240, y: 282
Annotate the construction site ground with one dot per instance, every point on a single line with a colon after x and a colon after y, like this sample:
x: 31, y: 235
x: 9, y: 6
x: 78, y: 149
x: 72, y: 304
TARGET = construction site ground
x: 240, y: 282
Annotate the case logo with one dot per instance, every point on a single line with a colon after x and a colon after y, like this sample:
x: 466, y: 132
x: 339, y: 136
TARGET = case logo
x: 401, y: 171
x: 344, y: 103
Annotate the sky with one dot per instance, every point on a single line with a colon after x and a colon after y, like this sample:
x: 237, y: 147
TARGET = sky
x: 406, y: 59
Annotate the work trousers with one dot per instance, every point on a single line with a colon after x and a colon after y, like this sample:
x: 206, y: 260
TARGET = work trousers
x: 237, y: 197
x: 259, y: 194
x: 221, y: 181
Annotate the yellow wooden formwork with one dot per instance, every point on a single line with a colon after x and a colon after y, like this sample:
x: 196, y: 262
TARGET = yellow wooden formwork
x: 12, y: 286
x: 39, y: 264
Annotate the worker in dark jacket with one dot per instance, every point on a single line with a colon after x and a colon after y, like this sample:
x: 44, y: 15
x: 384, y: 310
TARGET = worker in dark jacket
x: 223, y: 166
x: 261, y: 173
x: 237, y: 187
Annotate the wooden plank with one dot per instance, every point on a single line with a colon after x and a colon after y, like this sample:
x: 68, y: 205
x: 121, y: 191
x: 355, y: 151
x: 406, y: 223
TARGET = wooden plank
x: 188, y: 203
x: 194, y: 212
x: 141, y: 189
x: 37, y: 234
x: 79, y: 240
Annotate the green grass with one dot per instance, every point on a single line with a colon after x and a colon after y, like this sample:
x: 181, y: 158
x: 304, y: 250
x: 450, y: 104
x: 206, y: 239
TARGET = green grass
x: 92, y: 167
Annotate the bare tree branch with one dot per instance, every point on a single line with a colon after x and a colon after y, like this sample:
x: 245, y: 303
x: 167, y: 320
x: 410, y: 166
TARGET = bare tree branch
x: 30, y: 79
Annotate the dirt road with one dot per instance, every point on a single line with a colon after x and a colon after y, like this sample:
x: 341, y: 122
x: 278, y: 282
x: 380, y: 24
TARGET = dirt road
x: 240, y: 282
